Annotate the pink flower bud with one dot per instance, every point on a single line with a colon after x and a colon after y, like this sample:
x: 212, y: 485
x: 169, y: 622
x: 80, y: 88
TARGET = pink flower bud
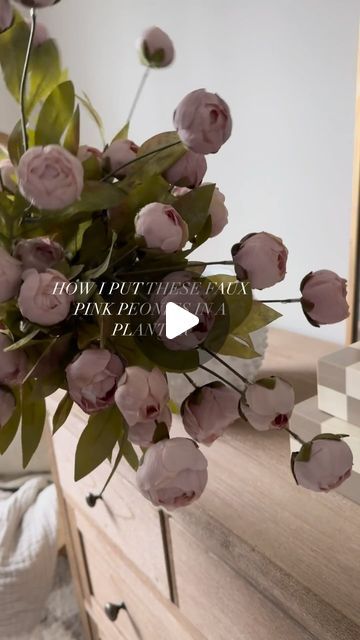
x: 38, y: 253
x: 8, y: 176
x: 7, y: 406
x: 209, y: 410
x: 189, y: 171
x: 324, y: 465
x: 6, y: 15
x: 85, y: 153
x: 260, y: 258
x: 173, y: 473
x: 203, y: 121
x: 162, y: 227
x: 218, y: 213
x: 142, y: 433
x: 10, y: 276
x: 92, y: 379
x: 155, y: 48
x: 270, y: 406
x: 43, y: 298
x: 13, y: 364
x: 324, y: 297
x: 120, y: 153
x: 142, y: 395
x: 50, y: 177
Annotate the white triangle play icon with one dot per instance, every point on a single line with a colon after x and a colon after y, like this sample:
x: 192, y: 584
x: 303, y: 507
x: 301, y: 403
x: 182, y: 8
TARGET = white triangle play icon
x: 178, y: 320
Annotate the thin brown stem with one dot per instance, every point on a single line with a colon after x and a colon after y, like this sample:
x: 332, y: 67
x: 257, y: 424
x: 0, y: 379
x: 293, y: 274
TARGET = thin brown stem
x: 138, y: 94
x: 189, y: 379
x: 24, y: 80
x: 295, y: 435
x: 217, y: 375
x: 225, y: 364
x: 287, y: 301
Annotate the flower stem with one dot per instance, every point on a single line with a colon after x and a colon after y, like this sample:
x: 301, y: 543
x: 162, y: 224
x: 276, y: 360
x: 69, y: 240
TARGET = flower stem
x: 138, y: 158
x: 217, y: 375
x: 138, y: 94
x: 288, y: 301
x: 190, y: 380
x: 24, y: 79
x: 225, y: 364
x: 295, y: 435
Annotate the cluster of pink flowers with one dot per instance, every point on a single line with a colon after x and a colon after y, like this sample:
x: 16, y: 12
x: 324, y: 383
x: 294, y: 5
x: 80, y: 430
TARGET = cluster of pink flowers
x: 173, y: 472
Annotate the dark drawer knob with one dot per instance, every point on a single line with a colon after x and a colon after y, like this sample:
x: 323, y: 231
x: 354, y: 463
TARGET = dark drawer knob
x: 112, y: 610
x: 91, y: 499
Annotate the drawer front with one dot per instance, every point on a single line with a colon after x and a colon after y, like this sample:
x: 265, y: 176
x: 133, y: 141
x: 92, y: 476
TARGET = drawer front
x: 113, y: 579
x: 123, y: 514
x: 219, y: 602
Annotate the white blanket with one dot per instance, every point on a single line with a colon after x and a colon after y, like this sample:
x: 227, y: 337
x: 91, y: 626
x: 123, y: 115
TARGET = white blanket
x: 28, y: 551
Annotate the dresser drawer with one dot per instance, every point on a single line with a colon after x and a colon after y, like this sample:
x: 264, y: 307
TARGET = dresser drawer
x: 123, y: 514
x: 219, y: 602
x: 113, y: 579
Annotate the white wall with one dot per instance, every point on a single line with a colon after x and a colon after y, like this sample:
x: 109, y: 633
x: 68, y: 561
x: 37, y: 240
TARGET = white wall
x: 287, y: 70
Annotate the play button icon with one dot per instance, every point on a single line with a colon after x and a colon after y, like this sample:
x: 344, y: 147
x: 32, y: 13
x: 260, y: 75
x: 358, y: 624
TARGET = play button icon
x: 178, y: 320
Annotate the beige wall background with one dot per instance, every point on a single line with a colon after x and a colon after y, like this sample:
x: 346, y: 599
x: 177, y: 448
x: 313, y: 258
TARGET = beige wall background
x: 287, y: 70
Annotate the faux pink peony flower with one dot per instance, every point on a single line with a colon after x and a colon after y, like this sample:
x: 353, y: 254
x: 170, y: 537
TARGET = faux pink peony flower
x: 270, y: 406
x: 13, y: 364
x: 325, y: 466
x: 155, y: 48
x: 209, y: 410
x: 260, y: 258
x: 10, y: 276
x: 203, y: 121
x: 142, y: 395
x: 189, y: 171
x: 142, y: 433
x: 38, y: 253
x: 50, y: 177
x: 162, y: 227
x: 120, y: 153
x: 37, y: 4
x: 6, y: 15
x: 37, y: 300
x: 173, y: 473
x: 92, y: 379
x: 324, y: 297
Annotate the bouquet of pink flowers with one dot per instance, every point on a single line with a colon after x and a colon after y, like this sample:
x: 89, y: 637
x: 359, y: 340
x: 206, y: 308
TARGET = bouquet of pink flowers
x: 95, y: 246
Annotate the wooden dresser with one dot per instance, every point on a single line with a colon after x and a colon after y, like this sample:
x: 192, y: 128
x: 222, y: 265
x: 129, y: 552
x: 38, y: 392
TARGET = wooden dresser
x: 257, y: 558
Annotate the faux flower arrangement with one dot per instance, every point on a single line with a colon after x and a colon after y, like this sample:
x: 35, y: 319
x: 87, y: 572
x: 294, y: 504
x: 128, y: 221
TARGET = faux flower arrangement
x: 125, y: 214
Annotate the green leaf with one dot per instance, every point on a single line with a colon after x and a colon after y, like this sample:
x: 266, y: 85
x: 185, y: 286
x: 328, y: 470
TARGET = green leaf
x: 173, y: 361
x: 194, y: 208
x: 161, y: 432
x: 72, y: 137
x: 96, y: 196
x: 138, y: 193
x: 233, y: 347
x: 154, y: 158
x: 13, y: 47
x: 267, y: 383
x: 129, y: 454
x: 9, y: 430
x: 102, y: 268
x: 304, y: 454
x: 33, y: 413
x: 55, y: 114
x: 62, y: 412
x: 97, y: 441
x: 123, y: 133
x: 260, y: 316
x: 87, y: 104
x: 331, y: 436
x: 87, y: 333
x: 20, y: 344
x: 44, y: 73
x: 15, y: 144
